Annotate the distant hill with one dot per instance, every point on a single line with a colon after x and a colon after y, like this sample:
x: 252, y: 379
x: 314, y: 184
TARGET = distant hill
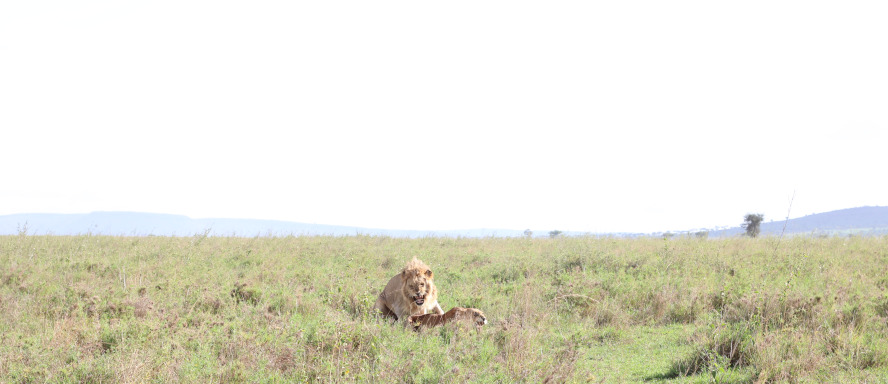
x: 861, y: 220
x: 145, y: 224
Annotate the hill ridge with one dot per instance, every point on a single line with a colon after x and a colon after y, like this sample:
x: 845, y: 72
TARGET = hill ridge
x: 121, y: 223
x: 859, y: 220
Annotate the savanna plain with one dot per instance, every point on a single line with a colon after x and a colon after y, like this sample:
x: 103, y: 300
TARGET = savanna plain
x: 581, y: 309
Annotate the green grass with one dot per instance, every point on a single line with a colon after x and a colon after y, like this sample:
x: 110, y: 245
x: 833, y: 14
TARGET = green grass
x: 298, y: 309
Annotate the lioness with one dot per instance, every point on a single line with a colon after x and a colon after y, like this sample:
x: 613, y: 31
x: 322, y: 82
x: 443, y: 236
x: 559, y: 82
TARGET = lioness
x: 410, y: 292
x: 470, y: 315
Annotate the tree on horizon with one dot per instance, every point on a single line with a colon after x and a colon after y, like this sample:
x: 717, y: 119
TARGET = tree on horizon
x: 752, y: 224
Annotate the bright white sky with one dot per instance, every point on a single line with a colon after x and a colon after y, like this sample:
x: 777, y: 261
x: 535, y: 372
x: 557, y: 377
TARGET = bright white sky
x: 586, y: 116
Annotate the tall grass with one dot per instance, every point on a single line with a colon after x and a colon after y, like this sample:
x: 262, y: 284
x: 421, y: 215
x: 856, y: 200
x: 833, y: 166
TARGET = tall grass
x: 198, y: 309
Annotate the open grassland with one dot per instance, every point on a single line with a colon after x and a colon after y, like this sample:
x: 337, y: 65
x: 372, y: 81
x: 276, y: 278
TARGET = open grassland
x: 205, y: 309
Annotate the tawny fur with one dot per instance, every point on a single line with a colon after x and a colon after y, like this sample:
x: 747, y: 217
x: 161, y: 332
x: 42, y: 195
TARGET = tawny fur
x: 468, y: 315
x: 411, y: 292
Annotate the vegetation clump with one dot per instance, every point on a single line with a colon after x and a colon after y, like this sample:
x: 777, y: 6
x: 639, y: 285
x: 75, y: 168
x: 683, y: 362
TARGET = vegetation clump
x: 241, y: 293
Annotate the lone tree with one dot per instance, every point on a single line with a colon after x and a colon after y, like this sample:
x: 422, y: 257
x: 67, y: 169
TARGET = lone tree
x: 554, y: 234
x: 752, y: 224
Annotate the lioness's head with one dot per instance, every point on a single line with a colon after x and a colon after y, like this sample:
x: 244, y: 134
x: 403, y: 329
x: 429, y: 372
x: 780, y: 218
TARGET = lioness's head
x: 417, y: 278
x: 475, y: 315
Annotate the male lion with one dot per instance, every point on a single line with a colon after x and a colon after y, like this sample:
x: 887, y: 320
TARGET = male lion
x: 469, y: 315
x: 410, y: 292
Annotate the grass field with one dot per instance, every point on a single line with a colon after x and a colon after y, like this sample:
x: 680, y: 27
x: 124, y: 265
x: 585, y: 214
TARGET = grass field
x: 208, y: 309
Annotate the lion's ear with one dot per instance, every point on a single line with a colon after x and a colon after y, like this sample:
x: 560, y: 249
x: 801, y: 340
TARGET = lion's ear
x: 428, y: 273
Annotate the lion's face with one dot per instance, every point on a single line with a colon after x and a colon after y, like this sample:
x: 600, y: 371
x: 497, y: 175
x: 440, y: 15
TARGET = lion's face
x: 417, y: 285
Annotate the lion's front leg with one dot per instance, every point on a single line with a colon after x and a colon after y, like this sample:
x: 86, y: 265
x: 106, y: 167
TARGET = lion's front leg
x: 383, y: 310
x: 437, y: 309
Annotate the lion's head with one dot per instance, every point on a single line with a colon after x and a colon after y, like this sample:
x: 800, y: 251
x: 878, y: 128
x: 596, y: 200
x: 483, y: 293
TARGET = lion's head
x: 417, y: 278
